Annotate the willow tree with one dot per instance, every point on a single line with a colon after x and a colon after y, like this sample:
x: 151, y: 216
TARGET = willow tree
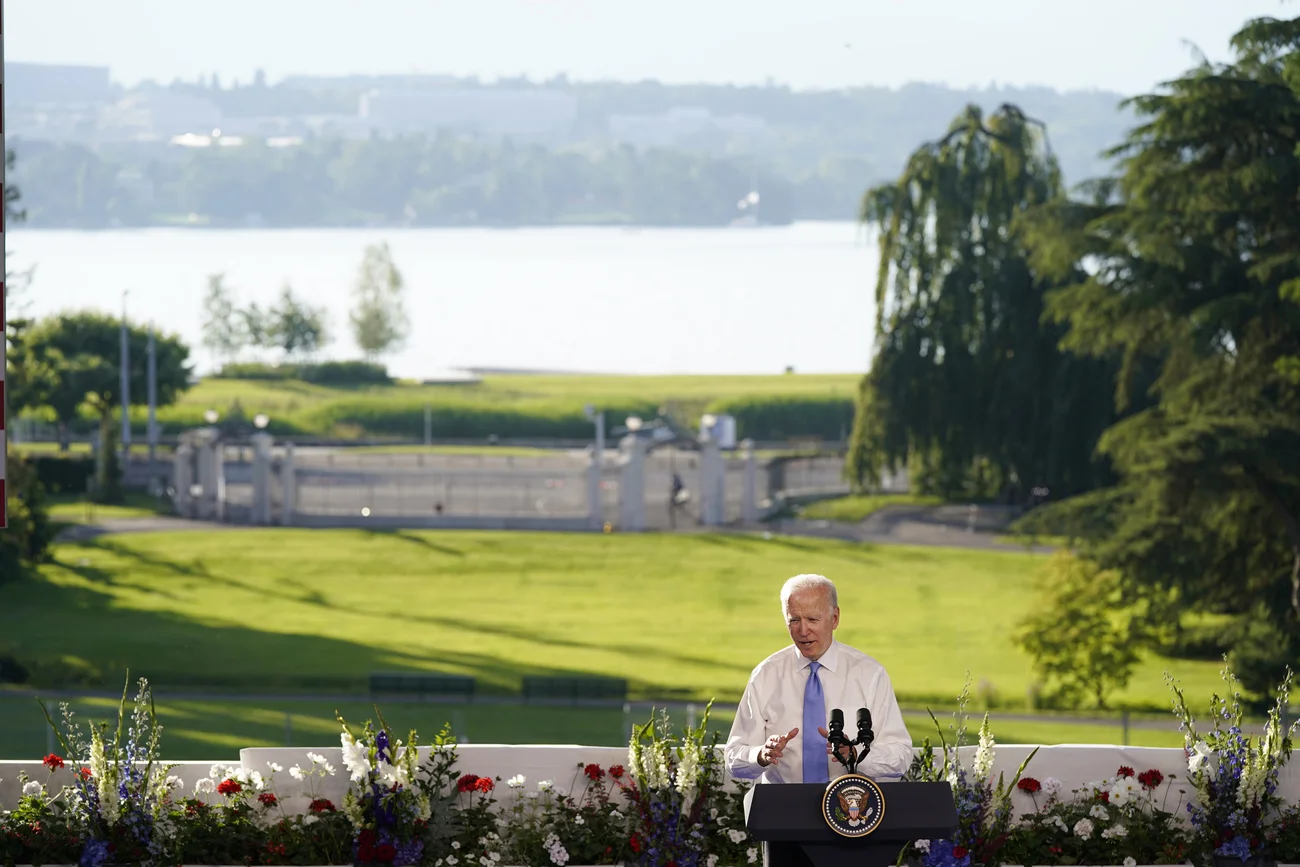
x: 1196, y: 289
x: 967, y: 384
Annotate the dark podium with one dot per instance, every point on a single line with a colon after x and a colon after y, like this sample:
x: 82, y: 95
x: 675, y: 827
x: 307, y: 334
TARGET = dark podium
x: 788, y: 818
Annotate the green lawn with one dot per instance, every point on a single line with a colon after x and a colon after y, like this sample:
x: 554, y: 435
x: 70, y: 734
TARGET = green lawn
x: 78, y: 509
x: 316, y: 409
x: 858, y: 507
x: 678, y: 616
x: 217, y: 729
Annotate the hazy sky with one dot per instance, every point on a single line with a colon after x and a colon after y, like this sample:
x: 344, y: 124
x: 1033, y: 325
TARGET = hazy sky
x: 1122, y: 45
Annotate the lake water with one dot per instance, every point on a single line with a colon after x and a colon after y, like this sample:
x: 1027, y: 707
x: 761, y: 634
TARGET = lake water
x: 582, y: 299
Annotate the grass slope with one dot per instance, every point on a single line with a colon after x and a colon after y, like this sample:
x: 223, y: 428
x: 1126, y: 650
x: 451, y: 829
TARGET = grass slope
x: 678, y: 616
x: 321, y: 410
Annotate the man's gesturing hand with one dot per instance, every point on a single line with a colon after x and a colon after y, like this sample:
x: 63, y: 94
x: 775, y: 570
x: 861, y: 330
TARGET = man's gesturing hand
x: 771, y: 751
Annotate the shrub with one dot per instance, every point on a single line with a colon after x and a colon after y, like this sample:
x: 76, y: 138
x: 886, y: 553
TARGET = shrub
x: 783, y: 418
x: 325, y: 373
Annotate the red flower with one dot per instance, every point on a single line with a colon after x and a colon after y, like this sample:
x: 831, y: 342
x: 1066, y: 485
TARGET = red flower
x: 267, y: 798
x: 321, y: 805
x: 635, y: 844
x: 386, y: 853
x: 593, y: 772
x: 1029, y: 785
x: 229, y: 787
x: 52, y: 762
x: 1055, y: 850
x: 1150, y: 779
x: 959, y: 851
x: 617, y: 771
x: 467, y: 782
x: 1125, y: 771
x: 366, y: 845
x: 1104, y: 797
x: 85, y: 773
x: 484, y: 784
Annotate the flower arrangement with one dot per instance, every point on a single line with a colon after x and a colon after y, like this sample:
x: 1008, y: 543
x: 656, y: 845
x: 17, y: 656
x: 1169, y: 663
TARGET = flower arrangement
x: 1117, y: 820
x: 984, y: 808
x: 671, y: 785
x: 121, y: 788
x: 1234, y: 775
x: 387, y: 810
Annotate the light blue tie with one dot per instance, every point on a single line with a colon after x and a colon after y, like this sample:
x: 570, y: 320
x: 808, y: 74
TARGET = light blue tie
x: 814, y: 717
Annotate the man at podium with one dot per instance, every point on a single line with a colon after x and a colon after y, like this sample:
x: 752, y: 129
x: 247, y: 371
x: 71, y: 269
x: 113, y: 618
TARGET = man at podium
x: 779, y: 734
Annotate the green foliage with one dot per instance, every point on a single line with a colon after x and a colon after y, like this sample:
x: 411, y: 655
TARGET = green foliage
x: 379, y: 322
x: 787, y: 417
x: 1083, y: 641
x: 1194, y: 247
x: 967, y: 385
x: 222, y: 332
x: 297, y: 328
x: 63, y: 474
x: 29, y: 533
x: 83, y: 352
x: 324, y: 373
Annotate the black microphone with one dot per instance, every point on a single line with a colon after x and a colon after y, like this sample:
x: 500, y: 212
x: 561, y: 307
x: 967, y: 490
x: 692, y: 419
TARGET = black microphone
x: 836, y: 727
x: 865, y: 734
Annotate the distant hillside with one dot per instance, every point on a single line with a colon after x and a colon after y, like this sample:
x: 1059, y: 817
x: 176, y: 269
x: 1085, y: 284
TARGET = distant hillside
x: 441, y: 151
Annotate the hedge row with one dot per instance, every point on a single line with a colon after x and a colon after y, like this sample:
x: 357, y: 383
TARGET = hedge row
x: 325, y: 373
x: 784, y: 418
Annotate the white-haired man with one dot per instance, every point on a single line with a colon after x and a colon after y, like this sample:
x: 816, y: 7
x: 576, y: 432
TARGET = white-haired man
x: 779, y: 735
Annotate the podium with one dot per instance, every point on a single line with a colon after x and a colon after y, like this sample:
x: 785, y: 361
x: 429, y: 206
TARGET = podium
x: 788, y: 818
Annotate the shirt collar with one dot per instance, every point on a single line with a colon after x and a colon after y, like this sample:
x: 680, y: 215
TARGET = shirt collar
x: 830, y: 659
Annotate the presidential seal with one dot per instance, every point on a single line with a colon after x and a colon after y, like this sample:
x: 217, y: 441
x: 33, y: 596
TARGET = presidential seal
x: 853, y: 805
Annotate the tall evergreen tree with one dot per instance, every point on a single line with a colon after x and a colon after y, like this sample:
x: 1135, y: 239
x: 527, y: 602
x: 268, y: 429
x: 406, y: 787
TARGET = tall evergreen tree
x: 1195, y: 263
x: 967, y: 384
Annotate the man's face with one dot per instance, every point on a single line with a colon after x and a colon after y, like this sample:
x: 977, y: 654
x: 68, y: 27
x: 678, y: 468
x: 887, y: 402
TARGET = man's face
x: 811, y: 621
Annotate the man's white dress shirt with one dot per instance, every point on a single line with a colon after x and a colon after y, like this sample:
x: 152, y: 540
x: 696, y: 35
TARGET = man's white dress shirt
x: 773, y: 704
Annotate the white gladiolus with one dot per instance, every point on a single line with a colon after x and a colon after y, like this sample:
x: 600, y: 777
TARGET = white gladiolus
x: 984, y: 755
x: 1199, y: 756
x: 355, y: 758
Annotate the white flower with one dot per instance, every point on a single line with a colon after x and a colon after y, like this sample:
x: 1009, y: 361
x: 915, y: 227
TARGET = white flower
x: 737, y: 836
x: 1083, y: 828
x: 516, y: 782
x: 1060, y: 823
x: 205, y: 786
x: 455, y: 844
x: 495, y: 856
x: 217, y: 772
x: 255, y: 777
x: 922, y: 846
x: 1199, y: 756
x: 1130, y: 861
x: 274, y: 767
x: 316, y: 759
x: 1051, y: 787
x: 713, y: 814
x: 355, y: 758
x: 578, y: 820
x: 329, y: 769
x: 711, y: 861
x: 752, y: 854
x: 984, y: 755
x: 33, y: 788
x: 1114, y: 832
x: 451, y: 859
x: 554, y: 848
x: 1099, y: 812
x: 392, y: 773
x: 296, y: 773
x: 532, y: 796
x: 1124, y: 790
x: 546, y: 785
x: 310, y: 819
x: 615, y: 815
x: 175, y: 782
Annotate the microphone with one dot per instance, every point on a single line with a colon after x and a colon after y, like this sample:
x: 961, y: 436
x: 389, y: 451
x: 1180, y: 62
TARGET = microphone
x: 835, y: 728
x: 865, y: 734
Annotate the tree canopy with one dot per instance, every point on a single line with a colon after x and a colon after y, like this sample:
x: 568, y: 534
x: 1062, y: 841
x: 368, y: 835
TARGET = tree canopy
x: 966, y: 383
x: 1193, y: 289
